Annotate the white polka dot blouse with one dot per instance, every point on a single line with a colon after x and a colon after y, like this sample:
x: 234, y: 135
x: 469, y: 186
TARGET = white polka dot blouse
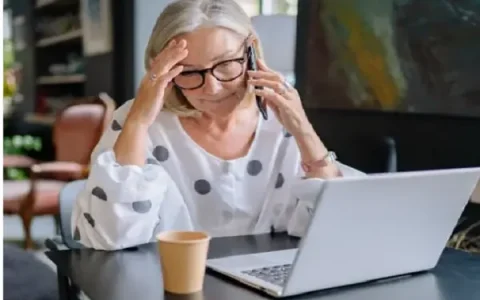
x: 183, y: 187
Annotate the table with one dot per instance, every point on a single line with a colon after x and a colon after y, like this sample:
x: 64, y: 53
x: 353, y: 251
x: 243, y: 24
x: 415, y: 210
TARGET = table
x: 136, y: 274
x: 25, y: 276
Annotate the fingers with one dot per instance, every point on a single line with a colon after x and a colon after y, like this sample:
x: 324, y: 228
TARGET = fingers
x: 165, y: 79
x: 272, y: 97
x: 175, y: 72
x: 162, y: 53
x: 178, y: 53
x: 265, y: 75
x: 278, y: 87
x: 169, y: 57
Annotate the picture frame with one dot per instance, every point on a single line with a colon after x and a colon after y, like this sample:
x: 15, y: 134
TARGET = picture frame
x: 96, y: 18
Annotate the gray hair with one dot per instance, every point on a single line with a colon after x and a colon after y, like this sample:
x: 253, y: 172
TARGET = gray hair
x: 183, y: 16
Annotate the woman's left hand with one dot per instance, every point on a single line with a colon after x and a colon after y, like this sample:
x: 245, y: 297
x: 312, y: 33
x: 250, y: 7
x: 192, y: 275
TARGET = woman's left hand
x: 282, y: 98
x: 285, y: 101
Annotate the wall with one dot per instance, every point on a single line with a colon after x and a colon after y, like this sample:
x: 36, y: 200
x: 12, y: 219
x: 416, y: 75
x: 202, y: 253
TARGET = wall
x: 146, y: 13
x: 112, y: 72
x: 422, y: 141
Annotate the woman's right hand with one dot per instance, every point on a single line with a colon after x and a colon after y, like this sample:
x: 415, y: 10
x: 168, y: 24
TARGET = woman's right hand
x: 156, y: 84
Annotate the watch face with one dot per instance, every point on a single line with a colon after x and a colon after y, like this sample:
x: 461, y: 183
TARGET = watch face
x: 333, y: 155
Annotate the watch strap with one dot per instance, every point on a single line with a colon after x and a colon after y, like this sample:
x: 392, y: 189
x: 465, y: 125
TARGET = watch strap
x: 323, y: 162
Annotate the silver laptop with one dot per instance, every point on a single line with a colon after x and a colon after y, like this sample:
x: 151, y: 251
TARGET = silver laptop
x: 363, y: 229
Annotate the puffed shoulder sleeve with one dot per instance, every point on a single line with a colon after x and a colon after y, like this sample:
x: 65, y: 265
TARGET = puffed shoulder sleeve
x: 125, y: 205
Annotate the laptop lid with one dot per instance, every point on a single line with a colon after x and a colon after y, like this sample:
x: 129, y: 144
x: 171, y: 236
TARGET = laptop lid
x: 377, y: 226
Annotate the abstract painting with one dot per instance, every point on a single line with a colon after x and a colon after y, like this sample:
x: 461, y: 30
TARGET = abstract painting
x: 399, y: 55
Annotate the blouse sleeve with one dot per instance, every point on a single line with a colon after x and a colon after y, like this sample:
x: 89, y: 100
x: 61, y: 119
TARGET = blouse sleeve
x: 124, y: 206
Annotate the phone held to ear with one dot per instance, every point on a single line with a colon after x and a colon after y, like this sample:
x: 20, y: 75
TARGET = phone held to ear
x: 252, y: 66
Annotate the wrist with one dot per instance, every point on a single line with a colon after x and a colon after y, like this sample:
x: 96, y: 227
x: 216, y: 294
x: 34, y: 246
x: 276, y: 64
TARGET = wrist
x: 135, y: 124
x: 129, y: 148
x: 310, y: 146
x: 316, y: 160
x: 324, y: 167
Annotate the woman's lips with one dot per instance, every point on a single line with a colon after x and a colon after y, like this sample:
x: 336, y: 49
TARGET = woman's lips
x: 218, y: 100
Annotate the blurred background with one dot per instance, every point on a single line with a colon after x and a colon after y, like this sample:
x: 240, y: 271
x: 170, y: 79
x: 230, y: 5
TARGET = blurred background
x: 389, y: 85
x: 67, y: 65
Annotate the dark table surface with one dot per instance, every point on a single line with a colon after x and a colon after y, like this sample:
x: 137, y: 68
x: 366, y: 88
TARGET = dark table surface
x: 136, y: 274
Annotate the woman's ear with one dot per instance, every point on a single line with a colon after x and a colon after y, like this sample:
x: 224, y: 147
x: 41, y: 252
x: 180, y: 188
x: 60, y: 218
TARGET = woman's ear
x: 254, y: 41
x: 150, y: 63
x: 251, y: 40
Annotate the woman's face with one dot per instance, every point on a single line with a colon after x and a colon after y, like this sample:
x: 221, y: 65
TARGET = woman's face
x: 224, y: 87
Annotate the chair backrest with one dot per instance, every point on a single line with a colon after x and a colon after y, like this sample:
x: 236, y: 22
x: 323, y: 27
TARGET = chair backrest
x: 68, y: 196
x: 390, y: 152
x: 79, y: 126
x: 278, y: 36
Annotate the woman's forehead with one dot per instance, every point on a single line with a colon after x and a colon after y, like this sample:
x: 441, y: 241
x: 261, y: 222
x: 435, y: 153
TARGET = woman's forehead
x: 209, y: 44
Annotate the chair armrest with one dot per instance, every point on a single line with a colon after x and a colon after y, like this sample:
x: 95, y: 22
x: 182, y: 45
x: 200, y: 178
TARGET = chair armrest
x: 52, y: 244
x: 55, y: 243
x: 59, y: 170
x: 18, y: 161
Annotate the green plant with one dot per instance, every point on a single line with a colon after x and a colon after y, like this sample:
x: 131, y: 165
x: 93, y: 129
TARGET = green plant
x: 8, y: 54
x: 9, y: 76
x: 465, y: 240
x: 20, y: 145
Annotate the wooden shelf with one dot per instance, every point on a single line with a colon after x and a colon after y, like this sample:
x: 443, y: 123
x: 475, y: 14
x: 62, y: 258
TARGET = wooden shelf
x: 42, y: 3
x: 61, y: 79
x: 74, y: 34
x: 35, y: 118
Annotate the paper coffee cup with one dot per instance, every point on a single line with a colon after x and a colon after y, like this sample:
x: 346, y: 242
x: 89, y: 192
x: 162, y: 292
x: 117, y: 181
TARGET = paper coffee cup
x: 183, y: 256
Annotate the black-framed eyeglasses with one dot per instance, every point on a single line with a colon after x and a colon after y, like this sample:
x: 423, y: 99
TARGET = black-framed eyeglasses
x: 224, y: 71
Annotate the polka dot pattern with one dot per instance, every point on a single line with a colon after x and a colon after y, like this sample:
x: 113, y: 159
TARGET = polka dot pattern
x: 280, y: 181
x: 202, y: 187
x: 161, y: 153
x: 254, y: 167
x: 89, y: 219
x: 116, y: 126
x: 142, y: 206
x: 99, y: 193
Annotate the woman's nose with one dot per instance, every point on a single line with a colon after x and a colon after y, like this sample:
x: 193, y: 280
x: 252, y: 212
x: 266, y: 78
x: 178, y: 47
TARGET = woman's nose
x: 212, y: 85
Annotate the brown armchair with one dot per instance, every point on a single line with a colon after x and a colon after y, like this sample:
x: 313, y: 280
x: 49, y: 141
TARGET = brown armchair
x: 76, y: 131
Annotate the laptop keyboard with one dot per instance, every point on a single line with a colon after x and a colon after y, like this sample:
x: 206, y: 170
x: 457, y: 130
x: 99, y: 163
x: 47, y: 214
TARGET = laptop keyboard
x: 274, y: 274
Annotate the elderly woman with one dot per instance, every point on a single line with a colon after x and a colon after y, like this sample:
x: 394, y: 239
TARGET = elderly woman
x: 193, y: 152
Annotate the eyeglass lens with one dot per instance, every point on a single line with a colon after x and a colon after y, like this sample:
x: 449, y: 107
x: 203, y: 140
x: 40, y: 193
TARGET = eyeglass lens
x: 225, y: 71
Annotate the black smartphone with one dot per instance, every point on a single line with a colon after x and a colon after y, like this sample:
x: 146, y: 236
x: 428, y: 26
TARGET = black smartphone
x: 252, y: 66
